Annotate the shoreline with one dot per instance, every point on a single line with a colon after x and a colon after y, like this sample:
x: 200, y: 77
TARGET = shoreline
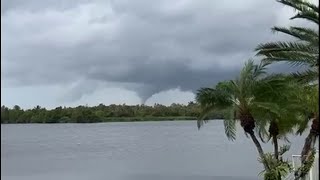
x: 123, y: 119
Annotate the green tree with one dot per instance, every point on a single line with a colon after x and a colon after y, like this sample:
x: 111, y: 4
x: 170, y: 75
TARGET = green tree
x: 241, y: 98
x: 4, y: 114
x: 15, y: 113
x: 287, y: 113
x: 309, y: 96
x: 100, y: 113
x: 302, y: 51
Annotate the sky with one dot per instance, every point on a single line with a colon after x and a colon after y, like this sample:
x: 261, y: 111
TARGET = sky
x: 81, y: 52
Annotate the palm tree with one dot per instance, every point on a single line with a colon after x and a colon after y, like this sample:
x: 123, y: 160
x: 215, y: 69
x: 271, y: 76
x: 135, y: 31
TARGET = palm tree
x: 309, y: 96
x: 244, y: 97
x: 304, y: 49
x: 287, y: 113
x: 312, y: 106
x: 294, y: 107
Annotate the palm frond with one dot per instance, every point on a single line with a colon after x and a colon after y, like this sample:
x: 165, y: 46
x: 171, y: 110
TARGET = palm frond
x: 230, y: 128
x: 294, y: 53
x: 201, y: 120
x: 271, y: 88
x: 269, y: 48
x: 277, y: 167
x: 305, y: 10
x: 262, y: 131
x: 292, y: 58
x: 268, y: 107
x: 306, y: 76
x: 310, y: 5
x: 211, y: 99
x: 299, y: 5
x: 304, y: 34
x: 302, y: 52
x: 309, y: 15
x: 285, y: 138
x: 302, y: 126
x: 284, y: 149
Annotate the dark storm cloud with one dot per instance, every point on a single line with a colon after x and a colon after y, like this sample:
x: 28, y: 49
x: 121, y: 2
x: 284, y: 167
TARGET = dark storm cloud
x: 145, y: 46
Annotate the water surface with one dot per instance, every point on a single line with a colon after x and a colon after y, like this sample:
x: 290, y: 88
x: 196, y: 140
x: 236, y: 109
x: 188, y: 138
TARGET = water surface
x: 167, y: 150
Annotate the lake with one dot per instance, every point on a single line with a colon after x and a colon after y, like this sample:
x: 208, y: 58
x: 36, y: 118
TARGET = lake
x: 166, y: 150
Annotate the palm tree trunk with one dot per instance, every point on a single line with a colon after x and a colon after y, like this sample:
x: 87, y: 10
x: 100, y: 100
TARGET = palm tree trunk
x: 276, y: 148
x: 274, y: 131
x: 259, y: 148
x: 308, y: 144
x: 248, y: 124
x: 302, y: 172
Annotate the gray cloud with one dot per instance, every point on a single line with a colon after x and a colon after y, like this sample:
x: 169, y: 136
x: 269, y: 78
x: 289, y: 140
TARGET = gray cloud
x: 144, y: 46
x: 37, y: 5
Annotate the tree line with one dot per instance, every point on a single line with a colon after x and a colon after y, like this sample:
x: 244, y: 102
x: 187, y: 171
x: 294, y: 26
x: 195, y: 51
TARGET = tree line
x: 104, y: 113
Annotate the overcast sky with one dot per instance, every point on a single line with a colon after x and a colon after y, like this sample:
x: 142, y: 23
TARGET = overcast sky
x: 77, y: 52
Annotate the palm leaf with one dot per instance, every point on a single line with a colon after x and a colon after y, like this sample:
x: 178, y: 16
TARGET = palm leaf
x: 305, y: 10
x: 267, y: 48
x: 309, y: 15
x: 306, y: 76
x: 299, y: 5
x: 211, y: 99
x: 262, y: 130
x: 304, y: 51
x: 304, y: 34
x: 268, y: 107
x: 284, y: 149
x: 230, y: 128
x: 201, y: 121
